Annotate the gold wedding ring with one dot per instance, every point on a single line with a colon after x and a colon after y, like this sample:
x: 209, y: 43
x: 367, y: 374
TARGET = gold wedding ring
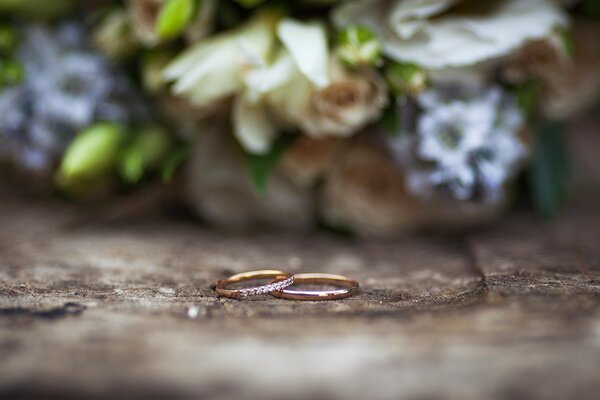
x: 344, y: 287
x: 280, y: 280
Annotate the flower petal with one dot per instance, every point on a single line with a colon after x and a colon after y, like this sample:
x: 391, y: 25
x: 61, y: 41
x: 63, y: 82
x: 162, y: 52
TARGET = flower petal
x: 307, y: 44
x: 214, y: 68
x: 253, y: 126
x: 263, y: 80
x: 460, y: 40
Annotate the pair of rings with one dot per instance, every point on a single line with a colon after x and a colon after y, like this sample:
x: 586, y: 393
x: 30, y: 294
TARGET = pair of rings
x: 281, y: 282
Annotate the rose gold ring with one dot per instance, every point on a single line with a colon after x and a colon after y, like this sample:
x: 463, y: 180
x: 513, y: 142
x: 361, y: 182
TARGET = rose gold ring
x: 280, y: 280
x: 344, y: 287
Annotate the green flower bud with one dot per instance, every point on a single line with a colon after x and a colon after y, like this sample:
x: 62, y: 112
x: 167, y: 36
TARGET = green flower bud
x: 174, y: 17
x: 358, y: 45
x: 36, y: 8
x: 114, y: 35
x: 11, y: 73
x: 405, y: 79
x: 8, y: 40
x: 91, y: 155
x: 146, y: 152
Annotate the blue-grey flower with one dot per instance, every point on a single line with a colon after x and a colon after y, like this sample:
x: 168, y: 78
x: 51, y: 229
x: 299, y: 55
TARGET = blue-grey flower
x: 463, y: 143
x: 66, y: 88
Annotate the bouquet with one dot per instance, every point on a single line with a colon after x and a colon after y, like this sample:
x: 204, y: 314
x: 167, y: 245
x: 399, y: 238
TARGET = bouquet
x: 374, y: 116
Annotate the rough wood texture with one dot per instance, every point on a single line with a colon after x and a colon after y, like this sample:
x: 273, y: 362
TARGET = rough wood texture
x: 92, y: 308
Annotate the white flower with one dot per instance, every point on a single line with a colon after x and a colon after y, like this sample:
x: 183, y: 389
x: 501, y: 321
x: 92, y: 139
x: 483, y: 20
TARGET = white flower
x: 306, y: 89
x: 468, y: 145
x: 307, y: 44
x: 215, y: 68
x: 297, y: 86
x: 276, y: 93
x: 411, y: 34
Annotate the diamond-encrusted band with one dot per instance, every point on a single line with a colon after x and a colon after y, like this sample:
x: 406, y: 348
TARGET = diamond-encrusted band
x: 253, y: 291
x: 280, y: 279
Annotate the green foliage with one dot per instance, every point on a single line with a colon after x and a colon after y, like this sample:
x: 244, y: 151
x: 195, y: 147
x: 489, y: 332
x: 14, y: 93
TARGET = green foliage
x: 527, y: 97
x: 11, y: 73
x: 390, y: 120
x: 132, y: 164
x: 174, y: 17
x: 548, y: 175
x: 262, y: 166
x: 106, y: 149
x: 145, y: 152
x: 8, y: 39
x: 173, y: 161
x: 567, y: 41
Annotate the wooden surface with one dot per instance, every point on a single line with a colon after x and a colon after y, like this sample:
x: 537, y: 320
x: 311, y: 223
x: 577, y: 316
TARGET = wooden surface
x: 95, y: 308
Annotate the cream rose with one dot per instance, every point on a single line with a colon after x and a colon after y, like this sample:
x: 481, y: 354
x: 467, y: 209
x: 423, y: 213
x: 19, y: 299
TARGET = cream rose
x: 352, y: 100
x: 348, y: 102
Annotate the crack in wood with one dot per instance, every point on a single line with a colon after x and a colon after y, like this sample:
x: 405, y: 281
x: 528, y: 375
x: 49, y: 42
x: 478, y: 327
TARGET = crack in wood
x: 67, y: 309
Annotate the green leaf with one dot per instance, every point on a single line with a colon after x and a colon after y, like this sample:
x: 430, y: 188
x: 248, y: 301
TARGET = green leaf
x: 390, y: 120
x: 174, y: 17
x: 527, y: 97
x: 154, y: 144
x: 8, y: 39
x: 11, y: 73
x: 262, y: 166
x: 132, y: 165
x: 174, y: 161
x: 567, y: 41
x: 145, y: 152
x: 548, y: 176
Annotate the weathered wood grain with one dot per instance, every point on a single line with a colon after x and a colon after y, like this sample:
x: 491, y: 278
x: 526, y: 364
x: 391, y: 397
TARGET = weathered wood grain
x: 100, y: 309
x: 92, y: 308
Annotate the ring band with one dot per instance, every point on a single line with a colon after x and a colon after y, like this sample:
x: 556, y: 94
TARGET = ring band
x: 280, y: 280
x: 345, y: 287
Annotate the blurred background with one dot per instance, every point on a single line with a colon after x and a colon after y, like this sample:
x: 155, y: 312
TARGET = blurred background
x: 442, y: 153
